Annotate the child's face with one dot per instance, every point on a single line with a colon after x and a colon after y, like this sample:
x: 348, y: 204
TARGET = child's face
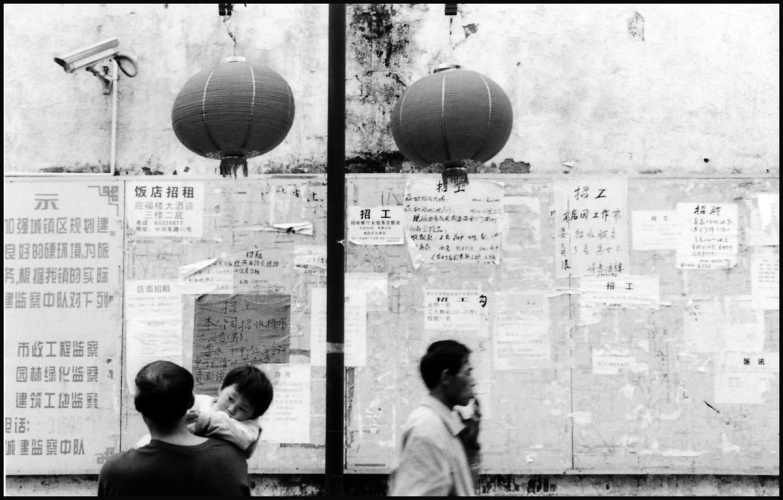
x: 231, y: 402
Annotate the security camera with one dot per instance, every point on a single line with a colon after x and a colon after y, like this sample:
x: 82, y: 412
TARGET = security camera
x: 89, y: 56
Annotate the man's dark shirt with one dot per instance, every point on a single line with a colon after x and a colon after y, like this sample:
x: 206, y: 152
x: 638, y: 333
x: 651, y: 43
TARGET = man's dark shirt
x: 213, y: 468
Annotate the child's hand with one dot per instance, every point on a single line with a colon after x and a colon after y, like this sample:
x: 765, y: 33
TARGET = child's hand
x: 191, y: 416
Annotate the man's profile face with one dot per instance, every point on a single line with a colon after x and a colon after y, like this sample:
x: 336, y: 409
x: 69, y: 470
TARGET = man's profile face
x: 460, y: 388
x: 229, y: 401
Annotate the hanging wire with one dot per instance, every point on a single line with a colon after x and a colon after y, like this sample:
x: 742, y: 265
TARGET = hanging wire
x: 226, y: 18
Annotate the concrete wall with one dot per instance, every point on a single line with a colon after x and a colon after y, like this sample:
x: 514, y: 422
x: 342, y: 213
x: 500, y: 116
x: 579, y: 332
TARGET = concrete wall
x: 601, y: 88
x: 618, y: 88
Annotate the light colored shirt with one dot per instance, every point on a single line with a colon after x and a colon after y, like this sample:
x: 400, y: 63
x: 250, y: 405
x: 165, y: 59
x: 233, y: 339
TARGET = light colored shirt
x: 218, y: 424
x: 431, y: 461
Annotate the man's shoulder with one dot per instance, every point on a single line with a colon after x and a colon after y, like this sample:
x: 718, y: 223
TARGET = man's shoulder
x: 425, y: 421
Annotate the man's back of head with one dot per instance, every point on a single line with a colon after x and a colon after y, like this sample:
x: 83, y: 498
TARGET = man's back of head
x: 164, y: 392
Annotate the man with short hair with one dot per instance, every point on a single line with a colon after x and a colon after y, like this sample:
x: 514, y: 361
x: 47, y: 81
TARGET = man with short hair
x: 175, y: 462
x: 432, y: 460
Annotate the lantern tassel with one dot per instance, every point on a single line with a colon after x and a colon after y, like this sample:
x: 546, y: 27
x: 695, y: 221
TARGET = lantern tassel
x: 454, y: 174
x: 230, y: 164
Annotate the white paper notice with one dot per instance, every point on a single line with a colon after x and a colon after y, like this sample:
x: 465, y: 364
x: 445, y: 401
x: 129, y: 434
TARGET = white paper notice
x: 355, y: 327
x: 460, y: 226
x: 591, y: 227
x: 381, y: 225
x: 703, y: 325
x: 153, y: 325
x: 744, y: 329
x: 310, y: 259
x: 158, y: 209
x: 521, y: 332
x: 742, y: 378
x: 521, y: 223
x: 288, y: 418
x: 208, y: 276
x: 769, y: 209
x: 318, y: 326
x: 765, y: 278
x: 452, y: 310
x: 608, y: 361
x: 709, y: 235
x: 375, y: 287
x: 655, y: 229
x: 261, y: 271
x: 626, y: 291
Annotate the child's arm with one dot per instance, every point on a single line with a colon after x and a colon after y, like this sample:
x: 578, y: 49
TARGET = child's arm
x: 219, y: 425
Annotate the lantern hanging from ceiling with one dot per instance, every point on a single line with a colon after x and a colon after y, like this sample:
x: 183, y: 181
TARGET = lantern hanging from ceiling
x: 232, y: 112
x: 450, y: 116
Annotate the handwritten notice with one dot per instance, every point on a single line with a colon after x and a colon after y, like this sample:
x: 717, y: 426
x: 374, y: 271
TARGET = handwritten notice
x: 703, y: 325
x: 608, y: 361
x: 743, y: 329
x: 655, y: 229
x: 318, y: 326
x: 591, y: 227
x: 159, y: 209
x: 235, y: 330
x: 521, y: 331
x: 310, y: 260
x: 743, y: 378
x: 207, y: 276
x: 261, y: 271
x: 765, y: 279
x: 454, y: 226
x: 453, y: 309
x: 381, y: 225
x: 355, y: 327
x: 709, y: 235
x: 62, y: 324
x: 521, y: 223
x: 153, y: 325
x: 627, y: 291
x: 288, y: 417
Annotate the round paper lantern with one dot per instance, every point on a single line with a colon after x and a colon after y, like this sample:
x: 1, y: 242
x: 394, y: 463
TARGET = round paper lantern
x: 452, y: 115
x: 232, y: 112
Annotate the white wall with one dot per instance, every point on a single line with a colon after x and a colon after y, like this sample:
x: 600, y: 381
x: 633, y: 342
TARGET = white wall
x: 703, y: 82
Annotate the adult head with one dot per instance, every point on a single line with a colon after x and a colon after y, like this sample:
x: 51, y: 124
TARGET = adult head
x: 447, y: 372
x: 245, y: 393
x: 164, y: 392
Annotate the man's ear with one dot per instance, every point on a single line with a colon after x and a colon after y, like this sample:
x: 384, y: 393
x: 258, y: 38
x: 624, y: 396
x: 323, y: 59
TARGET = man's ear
x: 445, y: 376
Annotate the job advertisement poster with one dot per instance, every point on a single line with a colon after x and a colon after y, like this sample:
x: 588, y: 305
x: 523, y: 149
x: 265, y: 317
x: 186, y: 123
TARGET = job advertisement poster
x: 62, y: 325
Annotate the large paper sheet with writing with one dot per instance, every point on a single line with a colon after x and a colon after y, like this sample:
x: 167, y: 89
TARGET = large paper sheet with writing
x: 655, y: 229
x: 236, y: 330
x: 765, y: 278
x: 288, y: 417
x: 382, y: 225
x: 591, y: 227
x: 153, y: 325
x: 521, y: 331
x: 745, y: 378
x: 455, y: 227
x: 157, y: 209
x: 709, y: 235
x: 62, y: 325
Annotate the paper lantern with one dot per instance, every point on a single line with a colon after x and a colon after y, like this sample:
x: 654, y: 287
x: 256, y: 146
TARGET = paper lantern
x: 232, y: 112
x: 452, y: 115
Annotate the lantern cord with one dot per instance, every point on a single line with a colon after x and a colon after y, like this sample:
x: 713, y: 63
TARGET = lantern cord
x: 234, y: 50
x: 230, y: 164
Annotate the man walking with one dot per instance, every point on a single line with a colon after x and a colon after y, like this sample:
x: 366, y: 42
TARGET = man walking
x: 432, y: 460
x: 175, y: 462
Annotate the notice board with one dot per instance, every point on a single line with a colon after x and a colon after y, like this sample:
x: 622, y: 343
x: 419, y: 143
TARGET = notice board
x: 618, y: 325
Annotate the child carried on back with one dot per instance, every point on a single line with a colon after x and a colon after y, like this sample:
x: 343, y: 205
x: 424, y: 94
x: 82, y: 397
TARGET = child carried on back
x: 233, y: 416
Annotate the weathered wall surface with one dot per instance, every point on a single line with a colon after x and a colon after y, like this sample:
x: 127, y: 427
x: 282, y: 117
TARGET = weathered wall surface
x: 602, y: 88
x: 495, y: 485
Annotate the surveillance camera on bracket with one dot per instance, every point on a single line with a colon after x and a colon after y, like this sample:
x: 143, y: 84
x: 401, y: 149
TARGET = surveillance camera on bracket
x: 89, y: 56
